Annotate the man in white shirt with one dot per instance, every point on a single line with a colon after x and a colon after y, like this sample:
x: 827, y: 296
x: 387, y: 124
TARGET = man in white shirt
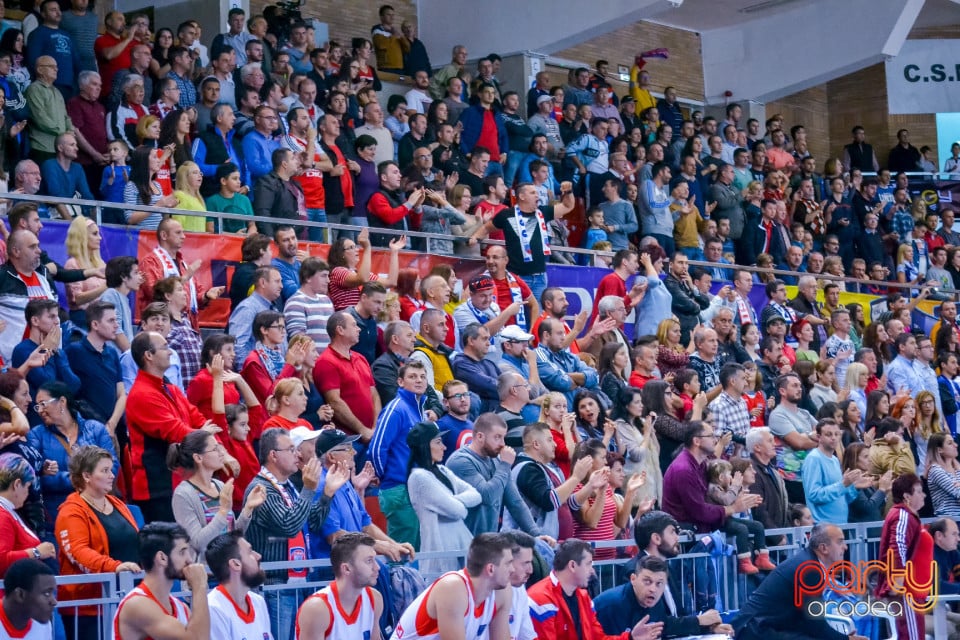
x: 236, y: 611
x: 521, y: 626
x: 418, y: 98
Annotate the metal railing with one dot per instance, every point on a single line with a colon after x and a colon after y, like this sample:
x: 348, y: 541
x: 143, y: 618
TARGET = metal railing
x: 98, y: 206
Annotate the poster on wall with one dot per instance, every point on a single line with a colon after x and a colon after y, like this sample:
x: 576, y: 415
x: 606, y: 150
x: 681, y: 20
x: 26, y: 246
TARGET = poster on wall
x: 924, y: 77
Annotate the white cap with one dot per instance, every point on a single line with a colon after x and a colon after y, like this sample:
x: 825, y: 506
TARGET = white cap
x: 299, y: 435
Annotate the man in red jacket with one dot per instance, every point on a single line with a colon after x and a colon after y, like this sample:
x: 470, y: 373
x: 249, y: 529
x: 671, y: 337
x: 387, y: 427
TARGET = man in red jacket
x: 158, y: 414
x: 552, y: 597
x: 387, y: 208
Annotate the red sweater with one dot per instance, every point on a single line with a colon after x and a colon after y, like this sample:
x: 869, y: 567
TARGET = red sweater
x: 243, y: 451
x: 257, y: 376
x: 14, y: 541
x: 201, y: 389
x: 158, y: 414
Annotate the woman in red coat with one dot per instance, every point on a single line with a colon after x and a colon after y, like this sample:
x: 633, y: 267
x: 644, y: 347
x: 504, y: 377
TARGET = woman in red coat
x: 17, y: 539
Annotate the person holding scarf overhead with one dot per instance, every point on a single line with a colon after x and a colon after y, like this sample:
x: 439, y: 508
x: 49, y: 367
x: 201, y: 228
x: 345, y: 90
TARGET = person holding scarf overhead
x: 525, y: 232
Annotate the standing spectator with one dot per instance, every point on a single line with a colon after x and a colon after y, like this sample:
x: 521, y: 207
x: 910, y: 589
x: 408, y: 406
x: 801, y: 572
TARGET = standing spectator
x: 43, y: 331
x: 215, y: 146
x: 440, y: 499
x: 390, y: 452
x: 772, y: 511
x: 157, y: 415
x: 97, y: 533
x: 276, y: 195
x: 278, y: 527
x: 140, y: 65
x: 89, y: 119
x: 113, y: 50
x: 345, y: 379
x: 792, y: 426
x: 870, y: 501
x: 83, y: 247
x: 165, y: 261
x: 103, y: 395
x: 266, y: 290
x: 81, y: 25
x: 687, y: 301
x: 942, y: 472
x: 308, y: 310
x: 828, y: 488
x: 183, y: 338
x: 904, y: 537
x: 269, y: 360
x: 49, y: 40
x: 258, y: 145
x: 232, y: 199
x: 48, y: 110
x: 144, y: 190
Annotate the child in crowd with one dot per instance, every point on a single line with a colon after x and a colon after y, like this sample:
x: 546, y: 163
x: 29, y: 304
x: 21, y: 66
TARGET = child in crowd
x: 800, y: 515
x: 232, y: 199
x: 724, y: 488
x: 687, y: 384
x: 603, y: 262
x: 596, y: 230
x: 753, y: 396
x: 117, y: 173
x: 236, y: 444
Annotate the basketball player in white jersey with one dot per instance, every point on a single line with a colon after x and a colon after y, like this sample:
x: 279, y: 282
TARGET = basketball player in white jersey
x: 470, y: 604
x: 28, y: 602
x: 348, y: 608
x: 235, y: 612
x: 149, y: 611
x: 521, y: 626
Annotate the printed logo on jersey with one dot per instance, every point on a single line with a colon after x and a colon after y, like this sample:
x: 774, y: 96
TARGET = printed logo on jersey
x: 480, y: 630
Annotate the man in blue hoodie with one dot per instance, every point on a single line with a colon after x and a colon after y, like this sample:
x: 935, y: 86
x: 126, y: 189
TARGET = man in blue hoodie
x: 390, y: 454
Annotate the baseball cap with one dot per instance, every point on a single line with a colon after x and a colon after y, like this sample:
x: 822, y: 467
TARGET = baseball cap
x: 514, y: 333
x: 331, y: 438
x: 422, y: 433
x: 482, y: 283
x: 543, y: 99
x: 299, y: 435
x: 773, y: 319
x: 627, y: 99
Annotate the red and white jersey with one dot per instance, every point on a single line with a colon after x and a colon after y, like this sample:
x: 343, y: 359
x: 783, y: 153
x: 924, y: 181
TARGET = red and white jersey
x: 33, y: 631
x: 227, y: 620
x: 180, y: 610
x: 416, y: 623
x: 358, y: 624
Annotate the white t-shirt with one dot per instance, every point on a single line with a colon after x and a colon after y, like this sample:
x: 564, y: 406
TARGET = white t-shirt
x: 521, y: 626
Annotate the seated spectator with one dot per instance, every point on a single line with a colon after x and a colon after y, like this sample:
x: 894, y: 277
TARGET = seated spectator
x: 267, y: 286
x: 254, y: 253
x: 559, y: 369
x: 202, y: 505
x: 158, y: 414
x: 642, y: 598
x: 723, y: 490
x: 672, y: 357
x: 232, y: 199
x: 103, y: 396
x: 479, y: 373
x: 44, y: 332
x: 870, y: 501
x: 943, y: 473
x: 122, y: 121
x: 289, y: 401
x: 189, y: 199
x: 99, y: 532
x: 440, y: 499
x: 318, y: 413
x: 346, y: 380
x: 62, y: 431
x: 486, y: 465
x: 83, y: 247
x: 63, y: 176
x: 216, y: 145
x: 776, y: 608
x: 334, y: 449
x: 572, y: 570
x: 276, y: 530
x: 17, y: 539
x: 431, y: 348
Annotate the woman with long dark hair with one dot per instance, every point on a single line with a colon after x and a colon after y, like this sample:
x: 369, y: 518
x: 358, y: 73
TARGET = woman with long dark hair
x: 657, y: 397
x: 175, y: 130
x: 592, y: 419
x: 160, y: 56
x: 439, y: 497
x: 638, y: 443
x: 850, y: 424
x: 143, y: 189
x: 878, y: 408
x: 612, y: 369
x: 869, y: 503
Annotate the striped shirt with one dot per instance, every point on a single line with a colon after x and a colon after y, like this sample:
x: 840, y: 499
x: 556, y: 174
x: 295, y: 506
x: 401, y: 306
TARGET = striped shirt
x: 308, y: 315
x: 604, y: 528
x: 341, y: 296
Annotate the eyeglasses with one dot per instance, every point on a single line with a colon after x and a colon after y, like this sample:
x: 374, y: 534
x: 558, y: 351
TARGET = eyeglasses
x: 458, y: 396
x: 422, y: 156
x: 277, y: 326
x: 40, y: 406
x: 290, y: 449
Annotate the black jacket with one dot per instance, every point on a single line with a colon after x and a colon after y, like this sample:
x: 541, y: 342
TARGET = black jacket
x: 687, y: 305
x: 618, y: 611
x: 272, y: 198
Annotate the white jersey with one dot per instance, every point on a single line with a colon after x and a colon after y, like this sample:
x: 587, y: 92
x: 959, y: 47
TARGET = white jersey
x: 180, y: 610
x: 227, y: 620
x: 521, y: 626
x: 416, y: 623
x: 34, y: 630
x: 356, y: 625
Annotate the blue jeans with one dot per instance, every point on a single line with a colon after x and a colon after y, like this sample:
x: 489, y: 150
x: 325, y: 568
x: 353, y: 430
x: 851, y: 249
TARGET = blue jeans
x: 537, y: 283
x: 334, y: 218
x: 692, y: 253
x: 495, y: 169
x: 283, y: 606
x: 358, y: 221
x: 514, y: 159
x: 665, y: 242
x: 315, y: 234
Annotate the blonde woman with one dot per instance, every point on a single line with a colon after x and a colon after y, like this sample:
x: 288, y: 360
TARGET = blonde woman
x: 555, y: 412
x: 189, y: 178
x: 928, y: 423
x: 671, y: 356
x: 855, y: 385
x: 83, y: 247
x: 460, y: 198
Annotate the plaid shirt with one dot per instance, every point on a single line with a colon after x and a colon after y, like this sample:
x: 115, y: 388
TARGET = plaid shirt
x: 188, y: 345
x: 188, y: 93
x: 903, y: 224
x: 730, y: 414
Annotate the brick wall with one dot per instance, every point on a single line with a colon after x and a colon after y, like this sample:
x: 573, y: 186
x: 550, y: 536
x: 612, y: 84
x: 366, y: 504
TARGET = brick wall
x: 809, y: 108
x: 352, y: 19
x: 683, y: 70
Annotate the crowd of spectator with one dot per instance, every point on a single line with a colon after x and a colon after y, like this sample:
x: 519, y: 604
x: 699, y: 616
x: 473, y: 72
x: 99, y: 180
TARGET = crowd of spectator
x: 444, y: 410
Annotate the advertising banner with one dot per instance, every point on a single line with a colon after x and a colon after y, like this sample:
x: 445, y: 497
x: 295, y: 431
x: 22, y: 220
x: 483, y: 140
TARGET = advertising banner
x: 924, y: 77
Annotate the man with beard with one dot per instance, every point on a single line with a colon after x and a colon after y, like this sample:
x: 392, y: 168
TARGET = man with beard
x: 509, y: 288
x: 521, y: 626
x: 555, y: 305
x: 450, y: 604
x: 29, y: 600
x: 622, y: 607
x: 354, y: 563
x: 235, y: 610
x: 149, y: 609
x: 387, y: 208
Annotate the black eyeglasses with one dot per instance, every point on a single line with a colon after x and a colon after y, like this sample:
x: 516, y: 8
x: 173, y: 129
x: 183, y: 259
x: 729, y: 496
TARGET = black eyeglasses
x: 458, y: 396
